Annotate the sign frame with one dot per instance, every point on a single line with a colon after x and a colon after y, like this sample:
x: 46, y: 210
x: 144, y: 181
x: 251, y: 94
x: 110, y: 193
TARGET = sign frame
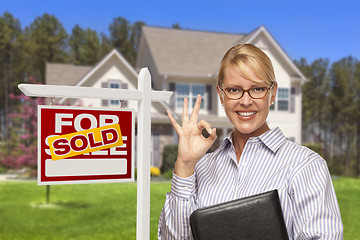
x: 85, y: 178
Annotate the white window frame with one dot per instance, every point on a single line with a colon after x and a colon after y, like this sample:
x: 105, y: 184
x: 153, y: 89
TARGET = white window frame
x: 279, y: 97
x: 282, y: 98
x: 179, y: 98
x: 110, y: 83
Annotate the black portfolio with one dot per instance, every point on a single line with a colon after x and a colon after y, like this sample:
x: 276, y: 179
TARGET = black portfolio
x: 252, y: 218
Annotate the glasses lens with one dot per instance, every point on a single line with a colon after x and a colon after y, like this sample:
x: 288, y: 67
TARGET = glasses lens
x: 255, y: 92
x: 258, y: 92
x: 234, y: 93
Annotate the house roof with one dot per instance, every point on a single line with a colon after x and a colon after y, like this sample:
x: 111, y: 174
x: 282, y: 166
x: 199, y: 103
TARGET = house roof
x: 178, y: 52
x: 194, y: 53
x: 65, y: 74
x: 71, y: 75
x: 81, y: 79
x: 75, y: 75
x: 113, y: 53
x: 278, y: 48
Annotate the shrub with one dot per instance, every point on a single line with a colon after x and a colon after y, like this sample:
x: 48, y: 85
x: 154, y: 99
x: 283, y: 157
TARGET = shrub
x: 168, y: 174
x: 169, y: 157
x: 21, y: 149
x: 317, y: 147
x: 154, y: 171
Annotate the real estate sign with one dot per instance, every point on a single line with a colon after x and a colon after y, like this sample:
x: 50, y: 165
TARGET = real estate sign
x: 85, y: 145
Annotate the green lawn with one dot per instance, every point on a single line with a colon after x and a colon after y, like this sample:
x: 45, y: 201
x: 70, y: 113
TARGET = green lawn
x: 348, y: 195
x: 85, y: 211
x: 108, y: 211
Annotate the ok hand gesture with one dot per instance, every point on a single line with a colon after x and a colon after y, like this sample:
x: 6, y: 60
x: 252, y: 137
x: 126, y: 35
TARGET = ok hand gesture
x: 192, y: 144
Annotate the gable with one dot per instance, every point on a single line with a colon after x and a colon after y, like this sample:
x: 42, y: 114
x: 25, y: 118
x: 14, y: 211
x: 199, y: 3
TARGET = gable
x: 112, y: 69
x: 112, y: 65
x: 285, y: 69
x: 282, y: 72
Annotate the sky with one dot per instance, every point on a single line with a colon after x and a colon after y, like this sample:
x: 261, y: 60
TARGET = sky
x: 309, y: 29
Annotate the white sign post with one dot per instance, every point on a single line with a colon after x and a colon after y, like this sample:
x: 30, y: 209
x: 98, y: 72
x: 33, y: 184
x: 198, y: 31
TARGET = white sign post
x: 144, y: 95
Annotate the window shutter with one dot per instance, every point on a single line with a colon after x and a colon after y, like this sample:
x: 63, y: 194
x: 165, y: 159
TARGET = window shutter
x: 104, y: 102
x: 292, y: 99
x: 125, y: 102
x: 209, y: 98
x: 156, y: 150
x: 172, y: 87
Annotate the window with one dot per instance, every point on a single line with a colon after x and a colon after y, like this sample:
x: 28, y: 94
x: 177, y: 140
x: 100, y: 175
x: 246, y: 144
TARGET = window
x: 282, y: 100
x: 190, y: 91
x: 114, y: 84
x: 182, y: 91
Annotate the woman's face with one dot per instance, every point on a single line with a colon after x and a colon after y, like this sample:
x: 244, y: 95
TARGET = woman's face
x: 248, y: 115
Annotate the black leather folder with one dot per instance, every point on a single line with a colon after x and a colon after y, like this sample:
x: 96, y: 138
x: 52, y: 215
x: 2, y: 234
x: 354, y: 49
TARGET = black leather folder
x: 257, y: 217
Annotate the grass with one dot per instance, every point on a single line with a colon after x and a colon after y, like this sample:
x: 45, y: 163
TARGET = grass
x: 108, y: 211
x: 89, y: 211
x: 348, y: 195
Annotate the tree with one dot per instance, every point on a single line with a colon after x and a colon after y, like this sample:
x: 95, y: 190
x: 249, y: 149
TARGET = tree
x: 331, y: 109
x: 85, y: 46
x: 76, y: 40
x: 125, y: 37
x: 134, y: 41
x: 357, y: 116
x: 176, y: 26
x: 46, y: 42
x: 23, y: 141
x: 314, y: 98
x: 11, y: 67
x: 105, y: 45
x: 341, y: 117
x: 119, y: 33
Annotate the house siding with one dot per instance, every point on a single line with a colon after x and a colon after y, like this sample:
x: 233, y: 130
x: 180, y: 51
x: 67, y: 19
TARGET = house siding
x: 289, y: 121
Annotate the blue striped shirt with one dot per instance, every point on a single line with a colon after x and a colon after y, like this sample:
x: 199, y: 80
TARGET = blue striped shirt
x: 268, y: 162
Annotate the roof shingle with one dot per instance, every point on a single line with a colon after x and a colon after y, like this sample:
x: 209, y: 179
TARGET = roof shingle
x: 188, y: 52
x: 65, y: 74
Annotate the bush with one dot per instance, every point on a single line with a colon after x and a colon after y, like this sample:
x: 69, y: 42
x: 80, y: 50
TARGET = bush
x: 154, y: 171
x: 168, y: 174
x: 21, y: 149
x: 169, y: 157
x: 317, y: 147
x: 3, y: 169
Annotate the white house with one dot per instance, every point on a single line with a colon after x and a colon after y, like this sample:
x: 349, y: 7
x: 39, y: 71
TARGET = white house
x: 186, y: 62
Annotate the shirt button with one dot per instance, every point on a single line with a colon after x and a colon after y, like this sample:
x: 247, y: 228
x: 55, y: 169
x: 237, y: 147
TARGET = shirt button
x: 243, y: 164
x: 186, y: 189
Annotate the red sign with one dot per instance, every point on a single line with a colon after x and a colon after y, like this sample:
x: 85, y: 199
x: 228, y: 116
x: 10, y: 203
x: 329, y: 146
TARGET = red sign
x: 83, y: 145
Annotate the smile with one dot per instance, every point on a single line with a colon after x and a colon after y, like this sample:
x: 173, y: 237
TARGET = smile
x: 245, y: 114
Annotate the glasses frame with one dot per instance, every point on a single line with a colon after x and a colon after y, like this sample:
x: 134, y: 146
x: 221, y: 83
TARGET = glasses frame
x: 267, y: 90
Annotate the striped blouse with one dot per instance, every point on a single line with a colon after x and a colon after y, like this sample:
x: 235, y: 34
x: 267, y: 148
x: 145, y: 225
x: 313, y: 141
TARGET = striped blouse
x: 268, y: 162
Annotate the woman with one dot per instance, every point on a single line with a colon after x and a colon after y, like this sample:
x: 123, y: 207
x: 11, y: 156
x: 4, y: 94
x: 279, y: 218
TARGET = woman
x: 251, y: 160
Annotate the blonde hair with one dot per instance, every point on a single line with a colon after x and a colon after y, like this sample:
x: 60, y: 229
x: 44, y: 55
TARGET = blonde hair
x: 242, y: 55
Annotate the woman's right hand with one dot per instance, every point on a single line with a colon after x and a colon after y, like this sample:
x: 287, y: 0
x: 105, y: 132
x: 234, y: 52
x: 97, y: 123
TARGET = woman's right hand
x: 192, y: 144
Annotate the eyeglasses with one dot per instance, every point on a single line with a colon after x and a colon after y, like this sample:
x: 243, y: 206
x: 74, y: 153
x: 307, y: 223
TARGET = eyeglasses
x: 254, y: 92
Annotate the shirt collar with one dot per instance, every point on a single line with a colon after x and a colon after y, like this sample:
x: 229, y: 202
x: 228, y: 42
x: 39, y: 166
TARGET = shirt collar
x: 273, y: 139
